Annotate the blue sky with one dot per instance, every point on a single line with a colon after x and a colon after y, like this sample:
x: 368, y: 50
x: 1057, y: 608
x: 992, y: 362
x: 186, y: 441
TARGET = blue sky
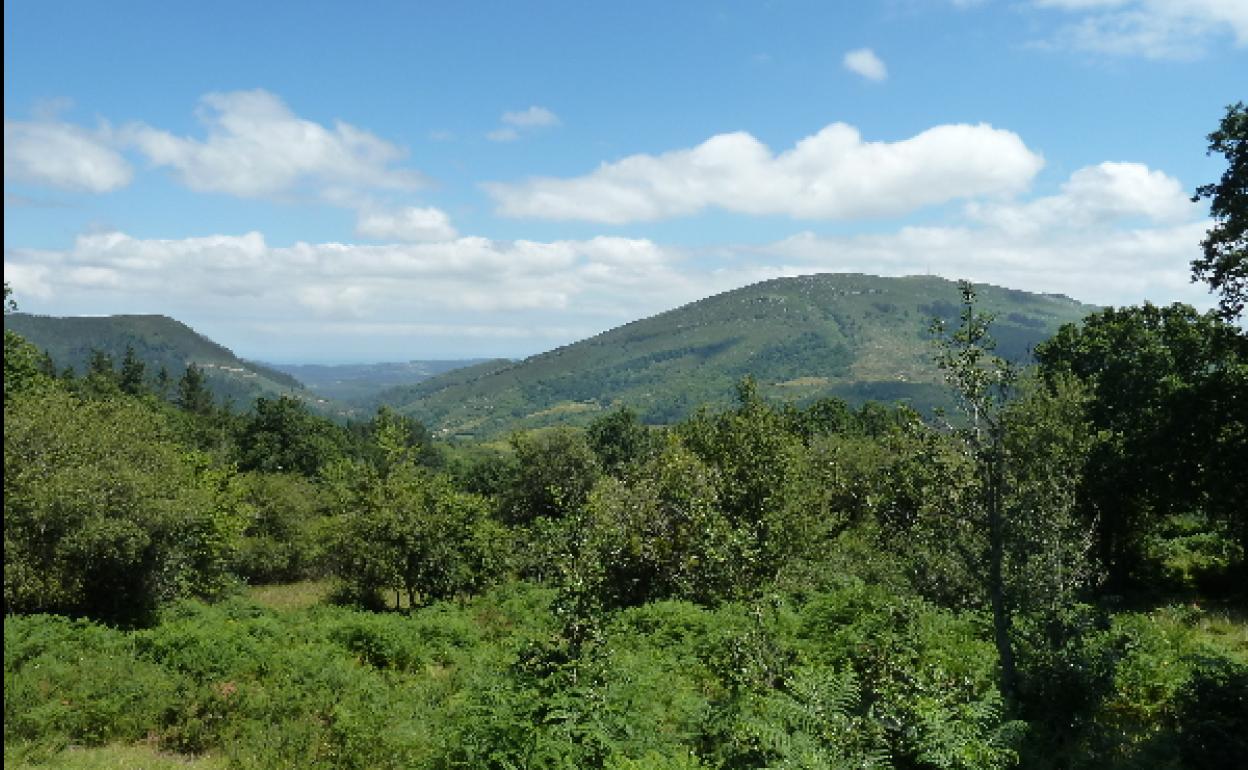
x: 390, y: 181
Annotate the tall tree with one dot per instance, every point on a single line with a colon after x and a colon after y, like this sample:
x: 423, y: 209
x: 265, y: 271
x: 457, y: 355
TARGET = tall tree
x: 983, y: 385
x: 282, y: 436
x: 1224, y: 264
x: 133, y: 372
x: 21, y: 359
x: 193, y: 394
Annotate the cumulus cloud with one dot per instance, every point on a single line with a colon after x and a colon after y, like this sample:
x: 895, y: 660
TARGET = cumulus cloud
x: 468, y: 279
x: 1096, y: 195
x: 1113, y: 233
x: 833, y: 174
x: 257, y: 147
x: 1156, y: 29
x: 57, y: 154
x: 407, y: 224
x: 1116, y: 233
x: 863, y: 61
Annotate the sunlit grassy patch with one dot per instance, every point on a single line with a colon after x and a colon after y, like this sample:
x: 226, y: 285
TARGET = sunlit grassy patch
x: 139, y: 756
x: 291, y: 596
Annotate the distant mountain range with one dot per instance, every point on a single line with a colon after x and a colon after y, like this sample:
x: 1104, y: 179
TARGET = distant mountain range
x: 361, y: 383
x: 857, y: 337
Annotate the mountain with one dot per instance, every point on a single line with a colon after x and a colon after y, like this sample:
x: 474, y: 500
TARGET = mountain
x: 360, y: 383
x: 858, y: 337
x: 158, y: 341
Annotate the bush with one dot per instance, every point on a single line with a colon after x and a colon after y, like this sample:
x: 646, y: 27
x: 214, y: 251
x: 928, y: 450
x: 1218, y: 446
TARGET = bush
x: 105, y: 515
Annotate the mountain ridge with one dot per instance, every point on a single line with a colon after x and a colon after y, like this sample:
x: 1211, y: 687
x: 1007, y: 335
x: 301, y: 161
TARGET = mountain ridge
x: 850, y: 335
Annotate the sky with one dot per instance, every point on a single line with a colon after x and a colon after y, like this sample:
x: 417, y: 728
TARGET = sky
x: 381, y: 181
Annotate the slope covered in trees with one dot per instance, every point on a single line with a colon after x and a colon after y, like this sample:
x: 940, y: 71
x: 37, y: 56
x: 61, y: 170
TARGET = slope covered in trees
x: 157, y: 342
x: 855, y: 337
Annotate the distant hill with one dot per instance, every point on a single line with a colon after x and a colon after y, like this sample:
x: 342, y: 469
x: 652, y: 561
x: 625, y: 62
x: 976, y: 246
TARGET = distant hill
x: 857, y: 337
x: 361, y: 383
x: 158, y: 341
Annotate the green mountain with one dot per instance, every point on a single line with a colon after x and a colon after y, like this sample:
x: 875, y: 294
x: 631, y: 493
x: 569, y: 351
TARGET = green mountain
x: 858, y: 337
x: 360, y: 383
x: 158, y: 341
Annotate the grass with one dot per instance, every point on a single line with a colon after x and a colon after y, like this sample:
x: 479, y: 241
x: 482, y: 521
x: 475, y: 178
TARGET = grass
x: 291, y: 596
x: 141, y: 756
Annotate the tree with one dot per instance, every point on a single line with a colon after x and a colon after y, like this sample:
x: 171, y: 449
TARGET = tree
x: 22, y: 361
x: 193, y: 395
x: 396, y: 438
x: 282, y: 436
x: 1224, y: 264
x: 983, y: 385
x: 661, y: 534
x: 412, y: 532
x: 104, y: 513
x: 618, y: 438
x: 133, y: 371
x: 552, y: 477
x: 1166, y: 392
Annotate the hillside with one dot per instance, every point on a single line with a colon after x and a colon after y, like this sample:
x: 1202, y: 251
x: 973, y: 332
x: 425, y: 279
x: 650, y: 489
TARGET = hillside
x: 159, y: 341
x: 857, y: 337
x: 360, y: 383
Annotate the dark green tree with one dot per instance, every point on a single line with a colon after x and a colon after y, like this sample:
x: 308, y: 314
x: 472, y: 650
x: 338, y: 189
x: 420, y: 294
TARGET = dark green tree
x: 618, y: 438
x: 193, y: 394
x: 21, y: 359
x: 552, y: 476
x: 282, y: 436
x: 395, y: 438
x: 104, y: 513
x: 1224, y: 263
x: 133, y: 372
x: 163, y: 382
x: 1167, y: 389
x: 410, y: 532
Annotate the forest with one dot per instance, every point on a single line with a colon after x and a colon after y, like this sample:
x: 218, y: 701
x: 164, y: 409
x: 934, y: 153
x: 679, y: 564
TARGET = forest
x: 1052, y: 575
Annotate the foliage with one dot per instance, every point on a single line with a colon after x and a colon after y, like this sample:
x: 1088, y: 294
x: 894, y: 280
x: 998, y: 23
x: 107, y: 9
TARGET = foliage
x: 661, y: 534
x: 552, y: 476
x: 104, y: 514
x: 281, y: 536
x: 1165, y: 388
x: 283, y: 436
x: 411, y: 531
x: 1224, y: 264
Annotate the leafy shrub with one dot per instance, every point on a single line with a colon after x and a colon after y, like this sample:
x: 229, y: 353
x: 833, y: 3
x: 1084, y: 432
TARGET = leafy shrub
x: 105, y: 515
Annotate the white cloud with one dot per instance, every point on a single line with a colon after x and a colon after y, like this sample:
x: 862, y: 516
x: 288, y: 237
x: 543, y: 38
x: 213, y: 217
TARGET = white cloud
x: 833, y: 174
x: 257, y: 147
x: 469, y: 279
x: 863, y: 61
x: 522, y: 121
x: 1117, y: 233
x: 407, y: 224
x: 533, y: 117
x: 1156, y: 29
x: 1096, y: 195
x: 56, y: 154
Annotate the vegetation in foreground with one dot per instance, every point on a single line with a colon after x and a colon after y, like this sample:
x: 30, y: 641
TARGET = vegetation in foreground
x: 1053, y: 578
